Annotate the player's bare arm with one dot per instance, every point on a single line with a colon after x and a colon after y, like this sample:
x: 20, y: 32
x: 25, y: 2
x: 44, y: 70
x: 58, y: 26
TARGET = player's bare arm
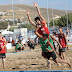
x: 29, y: 18
x: 49, y: 44
x: 66, y: 41
x: 56, y: 40
x: 36, y: 32
x: 42, y: 18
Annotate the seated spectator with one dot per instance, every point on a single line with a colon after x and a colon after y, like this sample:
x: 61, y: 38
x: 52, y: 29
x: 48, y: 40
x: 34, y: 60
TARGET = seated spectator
x: 18, y: 47
x: 21, y: 45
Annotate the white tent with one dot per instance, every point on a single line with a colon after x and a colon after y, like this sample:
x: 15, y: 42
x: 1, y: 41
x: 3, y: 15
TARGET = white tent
x: 6, y: 32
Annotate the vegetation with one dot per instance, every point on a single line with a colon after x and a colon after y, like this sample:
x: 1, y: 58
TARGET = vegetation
x: 62, y: 21
x: 59, y: 22
x: 3, y: 25
x: 28, y: 26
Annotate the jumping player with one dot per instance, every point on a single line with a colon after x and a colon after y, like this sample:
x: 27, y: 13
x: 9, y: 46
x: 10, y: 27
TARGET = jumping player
x: 39, y: 21
x: 48, y: 49
x: 2, y: 50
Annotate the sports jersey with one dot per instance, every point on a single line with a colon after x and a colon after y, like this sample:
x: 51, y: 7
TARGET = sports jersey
x: 44, y: 45
x: 2, y: 43
x: 43, y: 29
x: 17, y: 46
x: 21, y: 44
x: 62, y: 40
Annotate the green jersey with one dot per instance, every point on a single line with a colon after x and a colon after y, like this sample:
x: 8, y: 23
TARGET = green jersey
x: 44, y: 45
x: 21, y: 44
x: 17, y: 46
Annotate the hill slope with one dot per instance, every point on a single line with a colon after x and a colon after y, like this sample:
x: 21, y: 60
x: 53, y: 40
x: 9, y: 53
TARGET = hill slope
x: 20, y: 12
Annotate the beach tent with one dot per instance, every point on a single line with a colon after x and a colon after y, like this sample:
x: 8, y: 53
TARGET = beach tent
x: 6, y: 32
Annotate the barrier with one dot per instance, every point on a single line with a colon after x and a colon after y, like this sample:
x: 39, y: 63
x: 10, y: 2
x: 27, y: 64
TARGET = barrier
x: 9, y: 46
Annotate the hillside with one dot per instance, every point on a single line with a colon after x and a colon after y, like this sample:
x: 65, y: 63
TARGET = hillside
x: 20, y: 12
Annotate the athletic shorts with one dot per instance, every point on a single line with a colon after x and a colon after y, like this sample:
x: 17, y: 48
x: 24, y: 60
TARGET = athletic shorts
x: 32, y: 47
x: 18, y: 48
x: 50, y: 54
x: 62, y: 50
x: 3, y: 55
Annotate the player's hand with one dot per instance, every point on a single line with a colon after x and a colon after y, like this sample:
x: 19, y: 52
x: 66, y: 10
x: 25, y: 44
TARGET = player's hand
x: 35, y: 4
x: 47, y: 49
x: 60, y: 47
x: 28, y: 13
x: 67, y: 48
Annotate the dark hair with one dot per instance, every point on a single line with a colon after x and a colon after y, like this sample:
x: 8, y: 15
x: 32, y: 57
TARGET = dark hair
x: 60, y: 27
x: 37, y: 18
x: 4, y: 36
x: 0, y: 32
x: 54, y: 33
x: 17, y: 41
x: 45, y: 35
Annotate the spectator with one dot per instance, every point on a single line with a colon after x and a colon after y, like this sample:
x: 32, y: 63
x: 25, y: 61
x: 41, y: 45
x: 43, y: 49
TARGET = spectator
x: 23, y: 41
x: 70, y: 33
x: 21, y: 45
x: 20, y: 38
x: 36, y: 41
x: 31, y: 44
x: 67, y: 32
x: 10, y: 39
x: 17, y: 48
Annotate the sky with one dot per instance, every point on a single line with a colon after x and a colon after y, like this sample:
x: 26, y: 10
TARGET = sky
x: 57, y: 4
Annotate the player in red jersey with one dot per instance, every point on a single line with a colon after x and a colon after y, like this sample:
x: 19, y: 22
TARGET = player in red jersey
x: 63, y: 41
x: 2, y: 49
x: 39, y: 21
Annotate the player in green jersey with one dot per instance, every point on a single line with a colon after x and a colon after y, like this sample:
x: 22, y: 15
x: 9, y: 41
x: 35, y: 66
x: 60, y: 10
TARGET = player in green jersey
x: 48, y: 49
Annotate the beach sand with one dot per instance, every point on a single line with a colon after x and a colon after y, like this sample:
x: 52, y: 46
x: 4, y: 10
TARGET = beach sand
x: 31, y: 60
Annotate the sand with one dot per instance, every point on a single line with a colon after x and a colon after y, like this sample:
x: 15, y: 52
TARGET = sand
x: 31, y: 60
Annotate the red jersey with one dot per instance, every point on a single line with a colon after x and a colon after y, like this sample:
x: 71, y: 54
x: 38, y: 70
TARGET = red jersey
x: 2, y: 43
x: 62, y: 40
x: 43, y: 29
x: 40, y: 32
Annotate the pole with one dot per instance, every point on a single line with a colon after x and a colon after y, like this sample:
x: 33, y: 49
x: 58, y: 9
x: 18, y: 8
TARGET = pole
x: 48, y: 14
x: 38, y: 2
x: 52, y: 13
x: 66, y: 14
x: 13, y: 14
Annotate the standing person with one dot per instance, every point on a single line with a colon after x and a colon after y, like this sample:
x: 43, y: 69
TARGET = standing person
x: 36, y: 41
x: 10, y: 39
x: 2, y: 50
x: 67, y: 32
x: 55, y: 48
x: 48, y: 49
x: 63, y: 41
x: 5, y: 41
x: 4, y: 38
x: 30, y: 44
x: 20, y: 37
